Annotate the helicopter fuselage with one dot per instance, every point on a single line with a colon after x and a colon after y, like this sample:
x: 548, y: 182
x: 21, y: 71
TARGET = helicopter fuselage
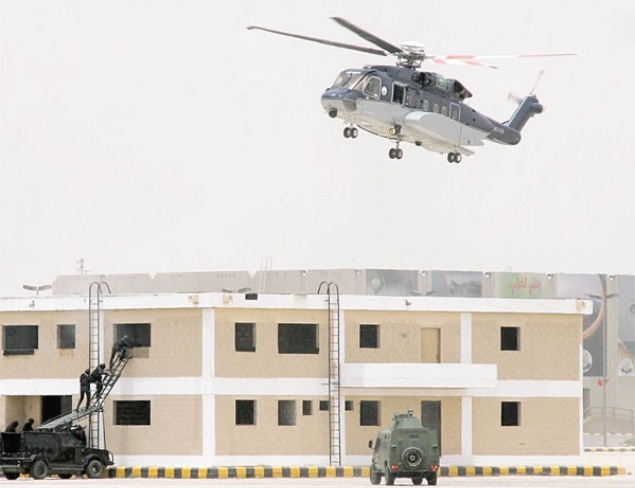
x: 423, y: 108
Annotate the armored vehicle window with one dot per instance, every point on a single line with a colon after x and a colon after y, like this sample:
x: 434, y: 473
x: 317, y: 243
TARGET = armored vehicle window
x: 66, y: 336
x: 307, y: 407
x: 324, y: 405
x: 245, y: 336
x: 510, y: 338
x: 373, y: 87
x: 298, y: 339
x: 245, y: 412
x: 138, y: 334
x: 286, y: 412
x: 369, y: 336
x: 132, y: 412
x: 369, y: 413
x: 510, y: 414
x: 19, y: 339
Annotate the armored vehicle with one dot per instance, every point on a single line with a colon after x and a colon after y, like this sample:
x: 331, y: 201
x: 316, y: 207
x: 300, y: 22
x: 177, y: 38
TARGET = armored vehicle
x: 405, y: 450
x: 41, y: 454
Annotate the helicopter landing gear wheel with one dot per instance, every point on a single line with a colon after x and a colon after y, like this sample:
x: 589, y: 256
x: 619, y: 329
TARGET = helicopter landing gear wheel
x: 454, y: 157
x: 351, y: 132
x: 395, y: 153
x: 347, y: 132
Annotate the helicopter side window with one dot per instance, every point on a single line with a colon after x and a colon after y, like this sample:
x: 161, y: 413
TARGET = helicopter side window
x: 398, y: 93
x: 426, y: 105
x: 373, y: 87
x: 436, y: 108
x: 444, y: 110
x: 440, y: 82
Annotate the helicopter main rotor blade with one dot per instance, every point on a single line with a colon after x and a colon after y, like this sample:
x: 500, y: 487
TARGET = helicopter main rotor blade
x: 475, y: 59
x: 373, y: 39
x: 323, y: 41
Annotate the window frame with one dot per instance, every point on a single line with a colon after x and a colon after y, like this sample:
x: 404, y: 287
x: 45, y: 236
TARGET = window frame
x: 288, y: 344
x: 251, y: 416
x: 366, y: 339
x: 510, y: 414
x: 287, y: 413
x: 60, y: 336
x: 20, y: 351
x: 509, y: 342
x: 133, y: 406
x: 246, y: 345
x: 364, y: 412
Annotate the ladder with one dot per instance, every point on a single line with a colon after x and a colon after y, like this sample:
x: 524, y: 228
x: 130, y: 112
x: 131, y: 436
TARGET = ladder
x: 265, y: 267
x: 333, y: 305
x: 95, y: 291
x: 64, y: 421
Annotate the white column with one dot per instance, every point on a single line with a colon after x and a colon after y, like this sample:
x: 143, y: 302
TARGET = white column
x: 466, y: 429
x: 208, y: 399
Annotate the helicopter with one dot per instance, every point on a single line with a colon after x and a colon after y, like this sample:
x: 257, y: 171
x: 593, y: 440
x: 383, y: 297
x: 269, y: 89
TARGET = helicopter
x: 404, y: 104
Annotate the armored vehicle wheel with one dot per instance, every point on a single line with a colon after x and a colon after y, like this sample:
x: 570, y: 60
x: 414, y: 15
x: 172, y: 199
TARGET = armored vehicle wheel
x: 432, y: 479
x: 375, y: 476
x: 390, y: 477
x: 412, y: 457
x: 417, y: 481
x: 65, y: 476
x: 11, y: 475
x: 39, y: 470
x: 94, y: 468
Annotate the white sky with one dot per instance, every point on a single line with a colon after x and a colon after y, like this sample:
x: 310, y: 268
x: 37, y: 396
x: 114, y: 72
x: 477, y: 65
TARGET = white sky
x: 155, y: 136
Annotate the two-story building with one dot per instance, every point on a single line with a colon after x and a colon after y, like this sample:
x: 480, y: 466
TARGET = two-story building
x: 234, y: 378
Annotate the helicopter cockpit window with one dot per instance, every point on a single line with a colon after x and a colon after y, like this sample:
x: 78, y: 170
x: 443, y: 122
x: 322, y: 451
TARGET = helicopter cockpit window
x: 373, y: 87
x: 347, y: 79
x: 440, y: 82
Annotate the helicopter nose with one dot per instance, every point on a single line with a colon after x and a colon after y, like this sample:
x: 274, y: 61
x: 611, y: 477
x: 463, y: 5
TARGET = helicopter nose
x: 338, y: 99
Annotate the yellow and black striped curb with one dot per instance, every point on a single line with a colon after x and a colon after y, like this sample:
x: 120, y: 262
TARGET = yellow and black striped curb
x: 610, y: 449
x: 223, y: 472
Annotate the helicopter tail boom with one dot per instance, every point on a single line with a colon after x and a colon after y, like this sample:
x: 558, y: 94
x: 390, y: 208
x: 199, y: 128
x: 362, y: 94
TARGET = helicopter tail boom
x: 529, y: 106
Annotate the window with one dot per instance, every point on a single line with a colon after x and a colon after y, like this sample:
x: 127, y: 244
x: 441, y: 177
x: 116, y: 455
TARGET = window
x: 138, y: 334
x: 510, y: 338
x: 348, y: 405
x: 444, y: 110
x: 369, y: 336
x: 373, y: 87
x: 245, y: 337
x: 298, y: 339
x: 307, y: 407
x: 398, y: 93
x: 510, y: 414
x: 19, y: 339
x: 245, y: 412
x: 426, y: 105
x: 436, y: 108
x: 369, y: 413
x: 286, y: 412
x: 324, y: 405
x: 132, y: 412
x: 66, y: 336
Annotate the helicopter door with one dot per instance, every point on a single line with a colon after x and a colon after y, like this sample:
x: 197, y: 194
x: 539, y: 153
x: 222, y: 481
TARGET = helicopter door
x: 398, y: 93
x: 455, y: 111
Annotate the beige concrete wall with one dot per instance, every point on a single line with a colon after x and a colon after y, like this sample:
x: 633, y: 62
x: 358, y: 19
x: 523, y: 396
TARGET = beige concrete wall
x: 548, y: 426
x: 310, y: 435
x: 549, y: 346
x: 176, y: 336
x: 400, y: 336
x: 266, y: 362
x: 175, y: 427
x: 357, y: 436
x: 20, y: 408
x: 48, y: 361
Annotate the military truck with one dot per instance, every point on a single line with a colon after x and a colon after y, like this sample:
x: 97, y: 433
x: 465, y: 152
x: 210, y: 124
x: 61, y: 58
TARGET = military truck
x: 405, y: 450
x: 43, y: 453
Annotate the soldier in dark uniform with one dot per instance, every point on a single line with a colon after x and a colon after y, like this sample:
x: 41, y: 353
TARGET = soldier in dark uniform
x: 120, y: 347
x: 28, y: 427
x: 84, y: 388
x: 96, y: 377
x: 12, y: 426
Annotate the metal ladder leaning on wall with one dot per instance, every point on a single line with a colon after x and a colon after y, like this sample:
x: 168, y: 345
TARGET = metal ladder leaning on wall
x: 333, y: 304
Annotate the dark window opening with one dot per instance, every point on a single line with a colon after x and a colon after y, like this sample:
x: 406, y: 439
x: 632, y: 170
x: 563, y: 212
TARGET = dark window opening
x: 510, y: 338
x: 66, y: 336
x: 245, y: 337
x: 369, y: 413
x: 298, y: 339
x: 348, y: 405
x: 369, y: 336
x: 286, y: 412
x: 398, y: 93
x: 135, y: 412
x: 245, y: 412
x: 138, y: 334
x: 510, y: 414
x: 307, y: 407
x: 324, y: 405
x: 19, y: 339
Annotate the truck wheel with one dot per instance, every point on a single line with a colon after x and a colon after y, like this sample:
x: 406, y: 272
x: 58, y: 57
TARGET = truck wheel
x: 375, y: 477
x: 39, y: 470
x: 94, y: 468
x: 65, y: 476
x: 417, y: 481
x: 11, y: 475
x: 432, y: 479
x: 412, y: 457
x: 390, y: 478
